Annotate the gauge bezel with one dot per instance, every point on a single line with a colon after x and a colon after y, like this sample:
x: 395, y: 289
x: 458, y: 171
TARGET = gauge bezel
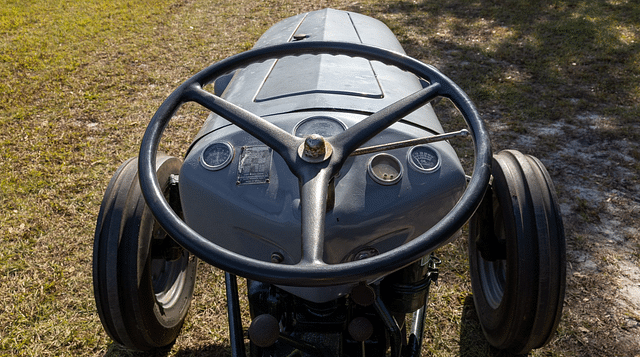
x: 380, y: 180
x: 317, y: 117
x: 421, y: 169
x: 222, y: 165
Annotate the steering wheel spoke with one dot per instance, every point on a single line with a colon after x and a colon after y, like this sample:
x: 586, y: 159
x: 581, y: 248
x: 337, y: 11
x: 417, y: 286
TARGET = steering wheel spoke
x: 313, y: 193
x: 273, y: 136
x: 354, y: 137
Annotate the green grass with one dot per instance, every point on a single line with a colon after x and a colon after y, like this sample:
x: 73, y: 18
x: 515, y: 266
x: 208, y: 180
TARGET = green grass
x: 54, y: 162
x: 80, y: 80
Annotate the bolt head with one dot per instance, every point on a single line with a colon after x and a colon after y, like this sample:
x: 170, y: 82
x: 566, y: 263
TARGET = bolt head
x: 315, y: 149
x: 277, y: 257
x: 314, y: 146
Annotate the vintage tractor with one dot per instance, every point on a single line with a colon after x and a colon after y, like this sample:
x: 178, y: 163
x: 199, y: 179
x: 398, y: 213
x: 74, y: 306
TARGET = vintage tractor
x: 324, y: 177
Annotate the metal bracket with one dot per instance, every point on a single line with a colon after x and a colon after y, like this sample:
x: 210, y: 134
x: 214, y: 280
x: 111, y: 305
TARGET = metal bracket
x: 433, y: 272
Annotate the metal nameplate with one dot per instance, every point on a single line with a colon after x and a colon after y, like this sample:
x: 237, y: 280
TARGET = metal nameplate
x: 254, y: 165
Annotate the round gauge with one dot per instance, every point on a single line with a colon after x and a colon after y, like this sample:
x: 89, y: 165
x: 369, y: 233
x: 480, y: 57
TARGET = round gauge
x: 385, y: 169
x: 324, y: 126
x: 424, y: 158
x: 216, y: 156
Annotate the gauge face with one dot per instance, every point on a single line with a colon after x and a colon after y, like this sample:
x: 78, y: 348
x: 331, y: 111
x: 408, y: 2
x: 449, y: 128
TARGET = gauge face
x: 385, y: 169
x: 216, y: 156
x: 324, y: 126
x: 424, y: 158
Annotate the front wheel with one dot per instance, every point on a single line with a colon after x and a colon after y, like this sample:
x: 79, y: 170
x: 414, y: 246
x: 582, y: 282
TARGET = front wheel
x: 517, y: 255
x: 143, y: 281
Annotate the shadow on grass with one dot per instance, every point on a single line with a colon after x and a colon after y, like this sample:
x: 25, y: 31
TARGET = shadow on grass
x: 542, y: 60
x: 210, y: 351
x: 472, y: 341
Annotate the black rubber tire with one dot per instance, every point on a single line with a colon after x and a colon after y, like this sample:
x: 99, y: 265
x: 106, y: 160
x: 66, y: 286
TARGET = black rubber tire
x: 142, y: 298
x: 519, y: 293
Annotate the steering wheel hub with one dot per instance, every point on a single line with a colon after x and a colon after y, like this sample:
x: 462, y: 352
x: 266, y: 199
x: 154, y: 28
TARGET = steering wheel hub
x: 315, y: 149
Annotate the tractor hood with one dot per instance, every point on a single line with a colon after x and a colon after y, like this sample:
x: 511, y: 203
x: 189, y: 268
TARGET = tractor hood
x: 322, y: 82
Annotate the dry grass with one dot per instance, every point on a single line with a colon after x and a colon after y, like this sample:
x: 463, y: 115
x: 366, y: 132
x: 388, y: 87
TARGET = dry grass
x: 81, y: 79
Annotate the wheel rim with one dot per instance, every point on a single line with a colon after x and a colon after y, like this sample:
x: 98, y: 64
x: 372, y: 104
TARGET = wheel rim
x: 168, y: 277
x: 493, y: 274
x: 168, y: 280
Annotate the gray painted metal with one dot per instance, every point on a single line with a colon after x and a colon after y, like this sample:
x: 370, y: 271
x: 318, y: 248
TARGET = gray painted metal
x: 265, y: 218
x: 324, y: 82
x: 341, y: 211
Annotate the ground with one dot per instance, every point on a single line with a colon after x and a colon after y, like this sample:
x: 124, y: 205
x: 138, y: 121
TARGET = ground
x: 554, y: 79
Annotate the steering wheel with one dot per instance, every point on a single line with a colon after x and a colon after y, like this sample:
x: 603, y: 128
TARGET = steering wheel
x: 314, y: 161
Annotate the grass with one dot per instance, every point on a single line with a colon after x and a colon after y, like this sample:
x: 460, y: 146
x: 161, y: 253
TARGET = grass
x: 82, y: 78
x: 536, y: 61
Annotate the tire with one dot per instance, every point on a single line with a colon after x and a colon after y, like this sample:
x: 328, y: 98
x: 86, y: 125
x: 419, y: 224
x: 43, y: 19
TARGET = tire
x: 517, y: 255
x: 143, y: 281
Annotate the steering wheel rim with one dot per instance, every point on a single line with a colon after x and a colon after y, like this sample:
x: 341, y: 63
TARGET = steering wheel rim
x: 314, y: 177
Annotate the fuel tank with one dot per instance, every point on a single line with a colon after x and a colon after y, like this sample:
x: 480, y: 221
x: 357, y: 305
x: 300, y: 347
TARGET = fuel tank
x: 241, y: 195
